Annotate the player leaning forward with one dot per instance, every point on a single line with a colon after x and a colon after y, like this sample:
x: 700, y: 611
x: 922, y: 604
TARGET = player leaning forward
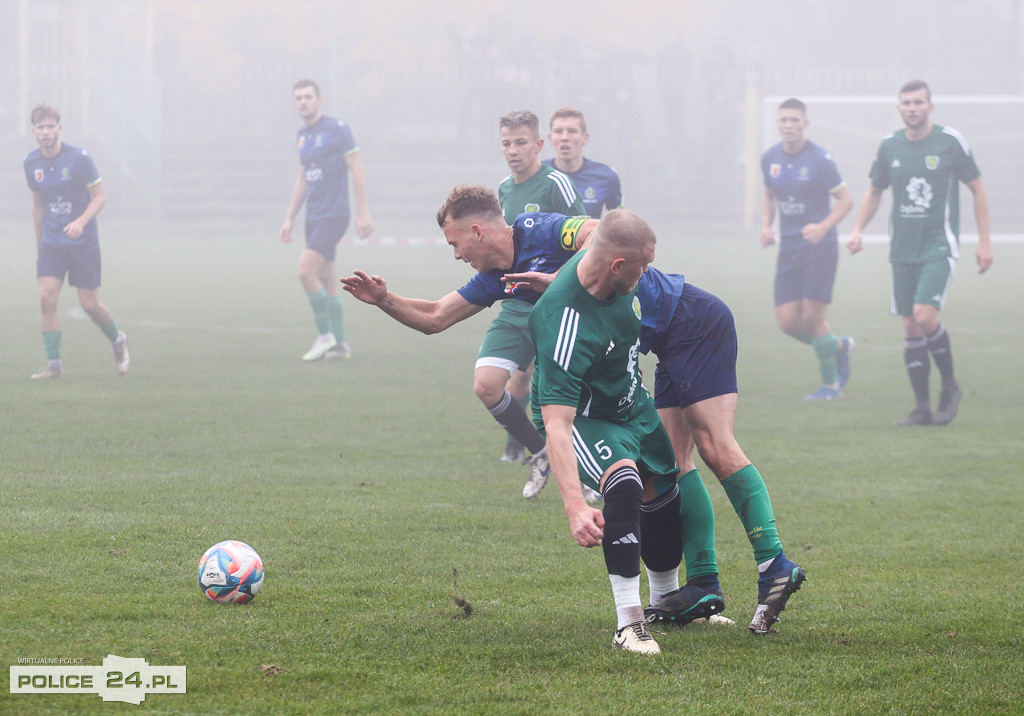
x: 67, y: 194
x: 602, y: 429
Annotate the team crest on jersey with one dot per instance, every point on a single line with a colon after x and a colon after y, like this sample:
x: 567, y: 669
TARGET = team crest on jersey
x: 774, y: 170
x: 636, y: 306
x: 302, y: 141
x: 531, y: 207
x: 40, y: 175
x: 932, y: 162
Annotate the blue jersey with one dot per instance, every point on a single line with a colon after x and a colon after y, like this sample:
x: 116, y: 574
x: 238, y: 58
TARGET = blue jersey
x: 543, y: 242
x: 323, y: 148
x: 63, y: 182
x: 802, y: 184
x: 659, y: 294
x: 598, y: 185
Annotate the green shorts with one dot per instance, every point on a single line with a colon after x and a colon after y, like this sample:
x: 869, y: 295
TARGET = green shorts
x: 925, y: 283
x: 507, y: 343
x: 599, y: 444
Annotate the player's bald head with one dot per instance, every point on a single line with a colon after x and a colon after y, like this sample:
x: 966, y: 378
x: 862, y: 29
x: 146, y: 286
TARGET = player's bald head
x: 623, y: 233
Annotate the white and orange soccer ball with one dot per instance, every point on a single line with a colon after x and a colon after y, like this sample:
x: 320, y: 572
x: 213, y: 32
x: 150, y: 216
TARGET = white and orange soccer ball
x: 230, y: 572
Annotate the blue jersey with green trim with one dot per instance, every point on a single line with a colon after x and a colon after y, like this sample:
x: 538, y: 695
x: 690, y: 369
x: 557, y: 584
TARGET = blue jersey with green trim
x: 63, y: 182
x: 543, y: 242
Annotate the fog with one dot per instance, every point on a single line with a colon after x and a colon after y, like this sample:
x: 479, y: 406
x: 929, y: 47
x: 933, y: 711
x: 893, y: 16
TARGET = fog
x: 186, y: 105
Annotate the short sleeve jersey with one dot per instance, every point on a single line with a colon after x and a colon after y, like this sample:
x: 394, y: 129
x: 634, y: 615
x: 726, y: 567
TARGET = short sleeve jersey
x: 543, y: 242
x: 63, y: 182
x: 659, y: 295
x: 323, y: 148
x: 587, y: 351
x: 925, y: 176
x: 548, y: 190
x: 802, y: 184
x: 598, y: 186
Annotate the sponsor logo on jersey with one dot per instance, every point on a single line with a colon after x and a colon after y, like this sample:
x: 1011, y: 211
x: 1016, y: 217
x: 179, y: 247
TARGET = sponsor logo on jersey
x: 804, y: 174
x: 895, y: 164
x: 65, y: 174
x: 40, y: 175
x: 919, y: 192
x: 589, y: 193
x: 774, y: 170
x: 319, y: 141
x: 531, y: 207
x: 932, y: 162
x: 302, y: 141
x: 636, y: 307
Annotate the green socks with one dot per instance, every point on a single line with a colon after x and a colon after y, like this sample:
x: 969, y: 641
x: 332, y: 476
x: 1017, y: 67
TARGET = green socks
x: 318, y: 300
x: 51, y: 343
x: 749, y: 497
x: 334, y: 316
x: 826, y: 347
x: 698, y: 528
x: 110, y: 331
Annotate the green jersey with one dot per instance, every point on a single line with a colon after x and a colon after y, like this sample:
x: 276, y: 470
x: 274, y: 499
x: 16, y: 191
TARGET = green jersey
x: 925, y: 176
x: 587, y: 351
x: 549, y: 191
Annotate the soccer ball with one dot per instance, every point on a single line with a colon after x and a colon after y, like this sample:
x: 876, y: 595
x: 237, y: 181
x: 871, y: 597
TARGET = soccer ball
x: 230, y: 572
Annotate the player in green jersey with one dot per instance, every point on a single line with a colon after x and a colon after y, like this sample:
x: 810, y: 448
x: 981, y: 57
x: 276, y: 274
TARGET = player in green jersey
x: 603, y: 431
x: 924, y: 164
x: 500, y: 383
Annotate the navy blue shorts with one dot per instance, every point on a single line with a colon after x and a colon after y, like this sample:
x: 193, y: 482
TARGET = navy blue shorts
x: 697, y: 354
x: 324, y: 235
x: 81, y: 264
x: 806, y: 270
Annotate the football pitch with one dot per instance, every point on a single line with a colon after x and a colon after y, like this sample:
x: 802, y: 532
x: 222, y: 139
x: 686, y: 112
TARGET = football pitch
x: 404, y: 571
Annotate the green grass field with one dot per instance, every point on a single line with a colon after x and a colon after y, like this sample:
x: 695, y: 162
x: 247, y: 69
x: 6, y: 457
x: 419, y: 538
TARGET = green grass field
x: 365, y: 485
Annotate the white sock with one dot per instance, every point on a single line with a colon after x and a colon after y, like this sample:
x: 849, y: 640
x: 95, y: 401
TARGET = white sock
x: 662, y: 583
x: 626, y: 591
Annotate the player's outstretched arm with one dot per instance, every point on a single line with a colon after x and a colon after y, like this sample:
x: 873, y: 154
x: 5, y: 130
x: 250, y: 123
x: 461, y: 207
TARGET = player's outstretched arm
x: 585, y: 523
x: 425, y: 316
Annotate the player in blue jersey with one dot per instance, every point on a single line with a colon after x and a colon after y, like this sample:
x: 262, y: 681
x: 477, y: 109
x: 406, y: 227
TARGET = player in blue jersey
x: 67, y: 194
x: 597, y: 183
x: 801, y: 181
x: 328, y: 154
x: 474, y: 225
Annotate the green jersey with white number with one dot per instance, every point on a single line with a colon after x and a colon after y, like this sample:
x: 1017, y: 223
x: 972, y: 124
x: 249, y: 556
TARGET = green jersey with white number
x: 549, y: 191
x: 587, y: 351
x: 925, y: 176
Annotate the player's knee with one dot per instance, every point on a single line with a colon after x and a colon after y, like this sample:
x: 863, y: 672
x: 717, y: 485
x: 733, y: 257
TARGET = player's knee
x: 488, y: 390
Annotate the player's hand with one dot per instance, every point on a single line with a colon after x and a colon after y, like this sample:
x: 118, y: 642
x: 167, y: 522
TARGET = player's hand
x: 855, y: 243
x: 767, y: 238
x: 364, y: 226
x: 813, y: 232
x: 74, y: 229
x: 984, y: 256
x: 533, y: 280
x: 587, y: 525
x: 286, y: 232
x: 368, y: 289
